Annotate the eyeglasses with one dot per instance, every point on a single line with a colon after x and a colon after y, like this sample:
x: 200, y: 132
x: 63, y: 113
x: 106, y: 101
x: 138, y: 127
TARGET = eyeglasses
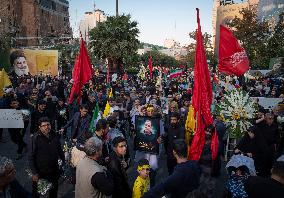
x: 44, y: 125
x: 121, y: 146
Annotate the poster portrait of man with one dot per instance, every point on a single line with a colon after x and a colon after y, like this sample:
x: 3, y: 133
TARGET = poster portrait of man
x: 19, y: 63
x: 147, y: 132
x: 34, y: 62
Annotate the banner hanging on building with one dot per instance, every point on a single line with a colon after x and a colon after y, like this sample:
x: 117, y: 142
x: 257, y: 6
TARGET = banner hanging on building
x: 34, y: 62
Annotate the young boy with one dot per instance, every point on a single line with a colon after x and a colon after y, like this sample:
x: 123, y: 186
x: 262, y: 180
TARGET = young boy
x: 142, y: 182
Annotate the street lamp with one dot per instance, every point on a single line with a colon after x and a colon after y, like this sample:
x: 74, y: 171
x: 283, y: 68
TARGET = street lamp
x: 116, y: 8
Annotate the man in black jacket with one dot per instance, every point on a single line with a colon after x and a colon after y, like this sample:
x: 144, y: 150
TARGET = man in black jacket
x: 37, y: 114
x: 117, y: 166
x: 183, y: 180
x: 80, y: 125
x: 175, y: 131
x: 268, y: 128
x: 45, y: 153
x: 259, y: 187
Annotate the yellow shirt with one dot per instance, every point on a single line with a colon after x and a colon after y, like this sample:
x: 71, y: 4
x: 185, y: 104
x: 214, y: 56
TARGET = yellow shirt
x: 140, y: 187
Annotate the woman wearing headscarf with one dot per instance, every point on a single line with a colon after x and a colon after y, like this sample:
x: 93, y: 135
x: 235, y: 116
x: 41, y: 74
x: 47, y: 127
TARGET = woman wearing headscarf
x: 253, y: 145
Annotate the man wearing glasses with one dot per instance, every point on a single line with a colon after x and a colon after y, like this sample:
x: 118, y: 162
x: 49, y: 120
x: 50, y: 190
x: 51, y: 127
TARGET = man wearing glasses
x: 45, y: 153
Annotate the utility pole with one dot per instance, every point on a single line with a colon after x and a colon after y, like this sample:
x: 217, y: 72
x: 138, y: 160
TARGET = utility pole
x: 116, y: 8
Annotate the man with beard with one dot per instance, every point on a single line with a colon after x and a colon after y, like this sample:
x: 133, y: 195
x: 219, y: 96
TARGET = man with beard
x: 175, y: 131
x: 19, y: 63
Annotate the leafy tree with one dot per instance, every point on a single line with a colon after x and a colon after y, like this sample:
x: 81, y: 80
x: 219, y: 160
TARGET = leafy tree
x: 152, y: 46
x: 115, y: 40
x: 253, y: 36
x: 275, y: 47
x: 207, y: 40
x: 160, y: 59
x: 5, y: 46
x: 68, y: 50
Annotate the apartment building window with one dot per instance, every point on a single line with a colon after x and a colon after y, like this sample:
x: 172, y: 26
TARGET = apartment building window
x: 53, y: 5
x: 65, y: 9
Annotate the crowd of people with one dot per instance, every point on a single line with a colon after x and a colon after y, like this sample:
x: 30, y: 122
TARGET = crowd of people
x: 106, y: 152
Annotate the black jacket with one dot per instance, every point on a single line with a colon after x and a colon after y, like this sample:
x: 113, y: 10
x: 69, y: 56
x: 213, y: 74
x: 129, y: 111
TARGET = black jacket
x: 45, y: 154
x: 270, y: 133
x: 183, y: 180
x: 121, y: 187
x: 16, y: 190
x: 259, y: 149
x: 173, y: 134
x: 258, y: 187
x: 82, y: 132
x: 62, y: 119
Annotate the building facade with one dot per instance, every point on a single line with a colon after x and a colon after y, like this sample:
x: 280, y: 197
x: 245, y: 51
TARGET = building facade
x: 35, y: 22
x: 90, y: 21
x: 225, y: 11
x: 171, y: 43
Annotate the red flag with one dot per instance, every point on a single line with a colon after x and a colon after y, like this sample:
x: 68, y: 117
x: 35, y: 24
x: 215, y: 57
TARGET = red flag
x: 232, y: 57
x: 201, y: 100
x: 125, y: 77
x: 150, y: 66
x: 82, y: 72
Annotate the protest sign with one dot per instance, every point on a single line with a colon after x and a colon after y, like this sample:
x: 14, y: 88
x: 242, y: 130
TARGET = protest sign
x: 11, y: 118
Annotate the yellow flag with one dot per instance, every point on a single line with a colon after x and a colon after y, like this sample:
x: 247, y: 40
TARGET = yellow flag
x: 190, y: 124
x: 107, y: 110
x: 110, y: 95
x: 4, y: 81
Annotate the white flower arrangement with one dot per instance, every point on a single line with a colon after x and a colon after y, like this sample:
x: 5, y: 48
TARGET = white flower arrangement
x: 43, y: 186
x: 280, y: 119
x: 62, y: 112
x: 237, y: 110
x: 142, y: 72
